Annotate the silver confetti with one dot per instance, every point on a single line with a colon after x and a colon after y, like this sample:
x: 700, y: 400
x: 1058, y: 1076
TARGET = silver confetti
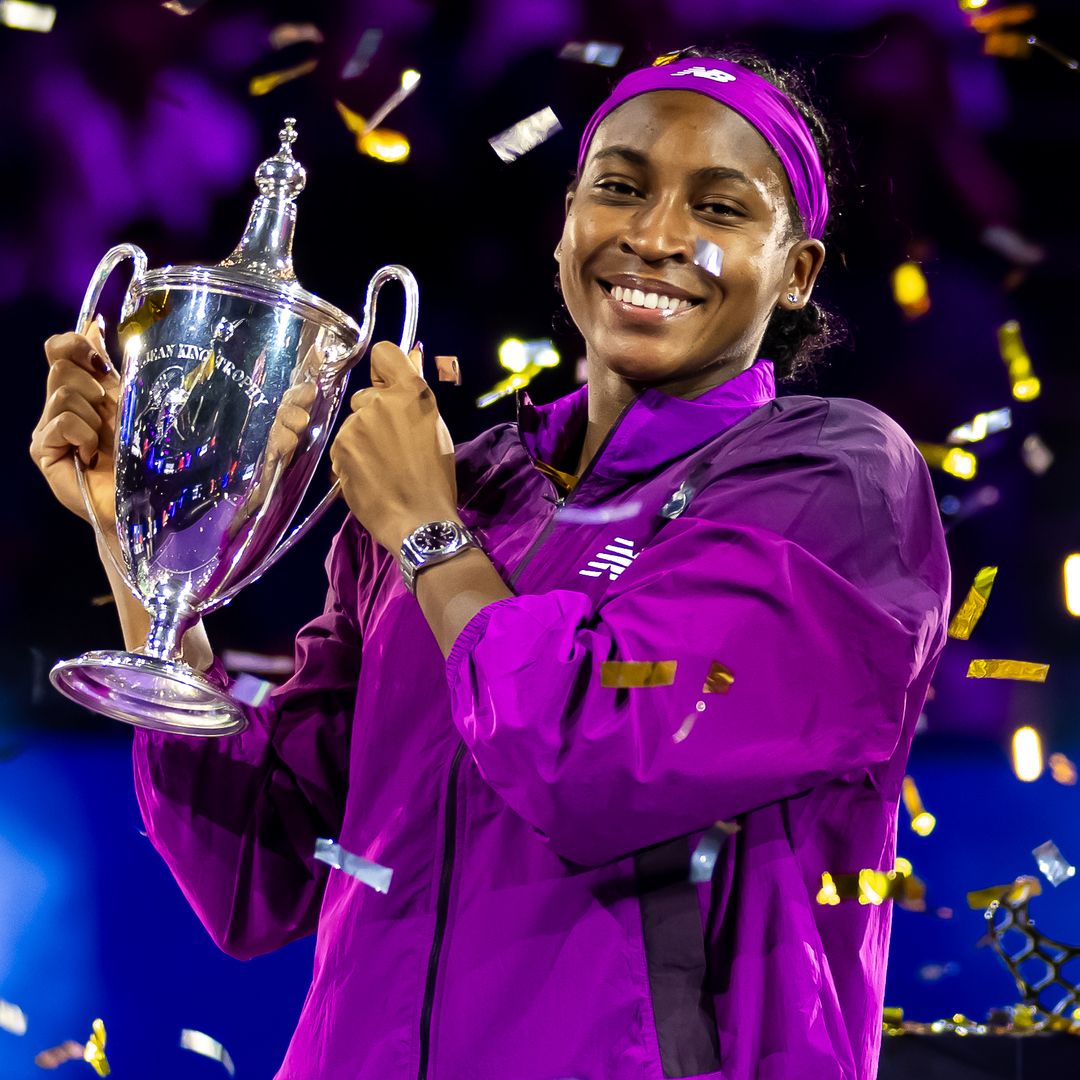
x: 601, y: 53
x: 200, y: 1043
x: 250, y: 690
x: 709, y: 256
x: 366, y: 48
x: 525, y: 135
x: 703, y: 860
x: 12, y: 1018
x: 981, y: 426
x: 364, y: 870
x: 597, y: 515
x: 1052, y: 864
x: 1038, y: 457
x: 679, y: 501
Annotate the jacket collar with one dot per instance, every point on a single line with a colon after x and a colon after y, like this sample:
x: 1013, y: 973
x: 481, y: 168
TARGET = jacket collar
x: 656, y: 428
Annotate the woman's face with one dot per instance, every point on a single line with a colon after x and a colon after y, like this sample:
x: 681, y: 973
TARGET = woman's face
x: 665, y: 170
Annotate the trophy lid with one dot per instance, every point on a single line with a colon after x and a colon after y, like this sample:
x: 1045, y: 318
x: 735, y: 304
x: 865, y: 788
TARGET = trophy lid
x: 265, y: 249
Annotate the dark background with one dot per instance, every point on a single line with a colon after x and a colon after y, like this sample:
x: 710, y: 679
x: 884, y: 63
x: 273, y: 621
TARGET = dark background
x: 131, y: 123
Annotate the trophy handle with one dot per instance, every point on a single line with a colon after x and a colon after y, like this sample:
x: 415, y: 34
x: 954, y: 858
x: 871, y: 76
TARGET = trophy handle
x: 111, y: 260
x: 391, y: 272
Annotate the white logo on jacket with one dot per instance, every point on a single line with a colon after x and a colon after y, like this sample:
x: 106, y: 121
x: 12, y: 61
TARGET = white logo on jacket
x: 613, y: 560
x: 706, y: 73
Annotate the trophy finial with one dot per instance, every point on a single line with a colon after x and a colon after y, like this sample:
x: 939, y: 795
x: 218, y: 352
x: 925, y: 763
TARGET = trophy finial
x: 266, y: 246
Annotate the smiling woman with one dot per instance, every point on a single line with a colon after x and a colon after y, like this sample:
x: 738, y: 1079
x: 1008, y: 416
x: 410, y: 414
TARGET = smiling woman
x: 607, y: 764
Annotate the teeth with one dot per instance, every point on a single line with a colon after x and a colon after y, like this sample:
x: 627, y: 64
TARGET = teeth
x: 648, y: 300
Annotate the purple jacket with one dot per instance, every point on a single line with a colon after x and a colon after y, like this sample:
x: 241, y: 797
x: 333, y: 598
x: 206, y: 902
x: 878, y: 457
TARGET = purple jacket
x: 541, y: 923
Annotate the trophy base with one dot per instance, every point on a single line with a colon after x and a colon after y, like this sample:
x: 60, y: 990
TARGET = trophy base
x: 161, y: 695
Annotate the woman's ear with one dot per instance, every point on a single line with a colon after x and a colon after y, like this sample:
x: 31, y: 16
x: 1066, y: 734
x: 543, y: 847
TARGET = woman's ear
x: 805, y: 261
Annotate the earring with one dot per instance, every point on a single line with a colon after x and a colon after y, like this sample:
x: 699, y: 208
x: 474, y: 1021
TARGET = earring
x: 793, y: 298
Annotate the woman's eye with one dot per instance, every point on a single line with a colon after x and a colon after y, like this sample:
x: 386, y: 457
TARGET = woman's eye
x: 722, y: 209
x: 617, y: 187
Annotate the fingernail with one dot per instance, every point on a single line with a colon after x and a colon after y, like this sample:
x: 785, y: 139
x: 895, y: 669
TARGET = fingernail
x: 419, y: 346
x: 100, y: 320
x: 102, y: 365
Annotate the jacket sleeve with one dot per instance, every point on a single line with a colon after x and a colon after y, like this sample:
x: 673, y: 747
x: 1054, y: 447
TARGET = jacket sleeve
x: 236, y: 818
x: 823, y: 628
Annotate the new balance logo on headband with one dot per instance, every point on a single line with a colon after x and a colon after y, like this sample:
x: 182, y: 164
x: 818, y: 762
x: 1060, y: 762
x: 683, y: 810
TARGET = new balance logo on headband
x: 706, y: 73
x: 613, y: 560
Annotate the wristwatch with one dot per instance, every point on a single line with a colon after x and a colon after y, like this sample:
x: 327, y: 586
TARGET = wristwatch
x: 432, y: 543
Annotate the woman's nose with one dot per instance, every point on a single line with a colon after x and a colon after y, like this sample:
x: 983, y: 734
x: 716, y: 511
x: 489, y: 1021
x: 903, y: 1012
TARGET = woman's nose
x: 659, y: 230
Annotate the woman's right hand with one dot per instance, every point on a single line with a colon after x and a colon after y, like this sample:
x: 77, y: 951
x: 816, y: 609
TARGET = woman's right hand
x: 79, y: 418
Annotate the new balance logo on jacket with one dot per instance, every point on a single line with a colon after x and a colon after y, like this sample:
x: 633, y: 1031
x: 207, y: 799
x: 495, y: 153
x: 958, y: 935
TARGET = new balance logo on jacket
x: 613, y: 560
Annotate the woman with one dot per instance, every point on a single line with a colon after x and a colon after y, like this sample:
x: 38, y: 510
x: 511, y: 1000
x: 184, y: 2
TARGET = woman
x: 665, y: 601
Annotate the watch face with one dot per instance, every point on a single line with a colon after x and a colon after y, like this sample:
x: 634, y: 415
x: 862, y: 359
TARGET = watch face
x: 435, y: 537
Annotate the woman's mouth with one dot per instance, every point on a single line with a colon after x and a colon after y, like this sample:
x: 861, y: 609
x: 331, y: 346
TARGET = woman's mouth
x: 649, y: 306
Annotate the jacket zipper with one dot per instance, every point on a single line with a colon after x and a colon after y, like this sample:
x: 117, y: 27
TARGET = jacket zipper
x: 442, y: 905
x: 561, y: 502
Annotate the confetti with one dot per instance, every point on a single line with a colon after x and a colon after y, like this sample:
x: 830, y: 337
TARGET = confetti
x: 365, y: 49
x: 19, y: 15
x: 936, y: 972
x: 516, y: 354
x: 1027, y: 755
x: 250, y: 690
x: 910, y: 290
x: 597, y: 515
x: 1052, y: 864
x: 379, y: 143
x: 630, y: 674
x: 922, y: 822
x: 949, y: 459
x: 200, y: 1043
x: 1070, y: 572
x: 666, y: 58
x: 55, y: 1056
x: 709, y: 256
x: 1068, y: 61
x: 960, y: 510
x: 1021, y: 670
x: 679, y: 501
x: 365, y: 871
x: 525, y: 135
x: 1025, y: 386
x: 1062, y: 769
x: 1015, y: 891
x: 873, y: 887
x: 285, y: 34
x: 983, y: 424
x: 601, y: 53
x: 263, y: 84
x: 410, y: 80
x: 257, y: 663
x: 449, y: 370
x: 703, y: 859
x: 1036, y: 454
x: 963, y: 622
x: 94, y: 1051
x: 12, y: 1018
x: 719, y: 679
x: 1012, y: 15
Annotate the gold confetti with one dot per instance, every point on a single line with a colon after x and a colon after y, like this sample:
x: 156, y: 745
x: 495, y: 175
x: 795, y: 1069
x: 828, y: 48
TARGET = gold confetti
x: 874, y: 887
x: 666, y: 58
x: 516, y: 381
x: 629, y: 674
x: 285, y: 34
x: 963, y: 622
x: 1025, y: 386
x: 1012, y: 15
x: 263, y: 84
x: 910, y: 290
x: 1027, y: 754
x: 383, y: 144
x: 1071, y: 573
x: 94, y: 1052
x: 19, y: 15
x: 1062, y: 769
x: 199, y: 1042
x: 1023, y: 888
x: 449, y: 370
x: 949, y: 459
x: 922, y: 822
x: 982, y: 425
x: 55, y: 1056
x: 719, y: 679
x: 1021, y: 670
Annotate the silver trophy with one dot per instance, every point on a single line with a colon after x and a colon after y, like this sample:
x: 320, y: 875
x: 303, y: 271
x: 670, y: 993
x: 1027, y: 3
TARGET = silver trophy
x: 231, y: 378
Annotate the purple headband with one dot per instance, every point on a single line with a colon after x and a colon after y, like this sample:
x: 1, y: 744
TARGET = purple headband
x: 755, y: 99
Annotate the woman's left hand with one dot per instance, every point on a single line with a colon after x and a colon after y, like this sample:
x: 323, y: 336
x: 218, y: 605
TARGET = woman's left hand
x: 394, y: 455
